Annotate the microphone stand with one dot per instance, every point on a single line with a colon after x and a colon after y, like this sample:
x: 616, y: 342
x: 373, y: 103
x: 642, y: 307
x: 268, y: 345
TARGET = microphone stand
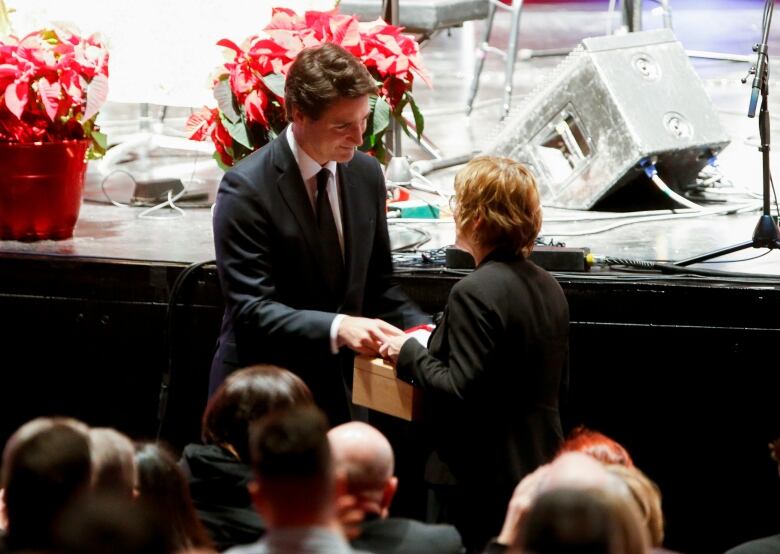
x: 766, y: 233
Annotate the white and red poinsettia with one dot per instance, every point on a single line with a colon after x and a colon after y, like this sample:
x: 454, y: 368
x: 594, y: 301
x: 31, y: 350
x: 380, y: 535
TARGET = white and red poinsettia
x: 52, y: 85
x: 250, y: 88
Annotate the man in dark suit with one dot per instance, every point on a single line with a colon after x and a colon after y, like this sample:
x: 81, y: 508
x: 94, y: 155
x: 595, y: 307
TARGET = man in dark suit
x: 363, y: 460
x: 302, y: 246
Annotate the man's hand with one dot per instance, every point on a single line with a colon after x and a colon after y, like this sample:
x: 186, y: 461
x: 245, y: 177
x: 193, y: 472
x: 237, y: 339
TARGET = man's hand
x: 390, y: 349
x: 364, y: 335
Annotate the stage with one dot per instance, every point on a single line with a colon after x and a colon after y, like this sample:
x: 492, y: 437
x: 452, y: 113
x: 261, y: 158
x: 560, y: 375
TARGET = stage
x: 680, y: 368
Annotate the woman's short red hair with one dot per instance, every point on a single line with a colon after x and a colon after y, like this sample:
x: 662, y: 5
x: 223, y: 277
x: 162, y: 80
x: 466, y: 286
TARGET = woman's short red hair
x: 597, y: 445
x: 501, y: 194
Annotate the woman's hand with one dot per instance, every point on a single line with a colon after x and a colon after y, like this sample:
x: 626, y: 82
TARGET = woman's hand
x: 392, y: 347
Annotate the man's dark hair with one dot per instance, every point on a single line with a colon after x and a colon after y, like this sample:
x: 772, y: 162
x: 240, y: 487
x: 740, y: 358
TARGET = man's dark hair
x: 246, y: 395
x: 321, y: 75
x: 291, y: 445
x: 44, y: 473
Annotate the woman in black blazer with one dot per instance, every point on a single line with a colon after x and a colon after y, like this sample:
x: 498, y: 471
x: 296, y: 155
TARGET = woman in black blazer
x: 497, y: 363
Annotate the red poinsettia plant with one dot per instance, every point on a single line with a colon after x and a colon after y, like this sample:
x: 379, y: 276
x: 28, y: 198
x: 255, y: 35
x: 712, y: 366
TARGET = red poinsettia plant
x: 250, y: 88
x: 52, y: 84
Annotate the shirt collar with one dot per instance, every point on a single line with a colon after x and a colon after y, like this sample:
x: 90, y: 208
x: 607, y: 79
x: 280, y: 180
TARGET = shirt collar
x: 307, y: 165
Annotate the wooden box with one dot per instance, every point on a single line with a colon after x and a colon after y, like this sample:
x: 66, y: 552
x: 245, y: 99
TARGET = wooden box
x: 376, y: 386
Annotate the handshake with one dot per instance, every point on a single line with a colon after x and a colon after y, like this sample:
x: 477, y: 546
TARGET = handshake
x: 372, y: 337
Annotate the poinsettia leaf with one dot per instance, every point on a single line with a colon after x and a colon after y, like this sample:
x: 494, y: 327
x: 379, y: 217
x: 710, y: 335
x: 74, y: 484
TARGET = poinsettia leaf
x: 419, y: 122
x: 50, y: 97
x: 381, y: 118
x: 101, y: 139
x: 275, y: 83
x: 97, y: 94
x: 16, y: 98
x: 230, y: 45
x: 237, y: 131
x: 222, y: 165
x: 224, y: 97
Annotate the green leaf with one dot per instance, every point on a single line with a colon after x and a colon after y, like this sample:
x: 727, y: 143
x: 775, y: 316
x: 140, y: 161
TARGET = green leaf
x: 381, y: 118
x: 275, y: 83
x: 220, y: 163
x: 224, y: 97
x: 237, y: 131
x: 100, y: 139
x: 419, y: 122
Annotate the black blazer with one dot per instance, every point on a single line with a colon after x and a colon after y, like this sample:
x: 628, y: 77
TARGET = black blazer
x: 405, y: 536
x: 493, y: 374
x: 278, y: 307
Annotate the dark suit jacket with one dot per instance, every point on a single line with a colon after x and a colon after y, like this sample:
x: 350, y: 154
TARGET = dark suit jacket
x: 218, y: 486
x: 405, y: 536
x: 492, y: 377
x: 278, y: 307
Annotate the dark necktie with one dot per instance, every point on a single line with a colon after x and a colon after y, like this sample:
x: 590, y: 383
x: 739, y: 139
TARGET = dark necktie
x: 329, y: 237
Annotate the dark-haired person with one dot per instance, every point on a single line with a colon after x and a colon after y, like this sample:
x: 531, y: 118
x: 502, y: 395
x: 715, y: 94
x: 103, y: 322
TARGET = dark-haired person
x: 113, y: 462
x: 295, y: 485
x: 495, y: 365
x: 46, y: 466
x: 218, y: 471
x: 162, y: 488
x: 301, y: 239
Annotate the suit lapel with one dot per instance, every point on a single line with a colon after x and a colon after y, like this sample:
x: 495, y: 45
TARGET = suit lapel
x: 293, y: 190
x: 357, y: 215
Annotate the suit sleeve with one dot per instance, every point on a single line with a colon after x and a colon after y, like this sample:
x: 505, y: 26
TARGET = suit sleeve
x: 472, y: 326
x: 384, y: 299
x: 243, y: 234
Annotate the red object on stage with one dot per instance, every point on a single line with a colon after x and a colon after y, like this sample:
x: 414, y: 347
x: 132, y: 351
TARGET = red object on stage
x: 40, y: 189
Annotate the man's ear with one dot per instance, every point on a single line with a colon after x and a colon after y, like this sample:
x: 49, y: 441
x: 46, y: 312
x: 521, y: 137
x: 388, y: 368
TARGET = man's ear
x: 3, y: 515
x: 297, y: 115
x: 340, y: 484
x: 255, y: 493
x: 389, y: 493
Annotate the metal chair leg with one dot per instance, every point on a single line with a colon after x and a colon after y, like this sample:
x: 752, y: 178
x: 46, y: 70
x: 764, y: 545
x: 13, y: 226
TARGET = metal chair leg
x: 632, y: 14
x: 511, y: 55
x: 480, y: 61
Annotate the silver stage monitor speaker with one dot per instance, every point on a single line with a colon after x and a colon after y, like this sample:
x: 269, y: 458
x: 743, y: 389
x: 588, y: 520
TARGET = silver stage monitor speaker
x: 615, y: 103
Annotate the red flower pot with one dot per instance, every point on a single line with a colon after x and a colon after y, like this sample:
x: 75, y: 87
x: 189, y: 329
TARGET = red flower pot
x: 40, y: 189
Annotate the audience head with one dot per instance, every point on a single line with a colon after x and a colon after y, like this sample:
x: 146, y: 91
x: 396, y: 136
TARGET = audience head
x: 247, y: 395
x: 163, y: 488
x: 582, y: 521
x: 597, y: 445
x: 321, y: 75
x: 647, y: 496
x: 580, y: 471
x: 113, y: 463
x: 111, y: 523
x: 570, y: 470
x: 46, y: 464
x: 294, y: 480
x: 497, y: 204
x: 365, y: 459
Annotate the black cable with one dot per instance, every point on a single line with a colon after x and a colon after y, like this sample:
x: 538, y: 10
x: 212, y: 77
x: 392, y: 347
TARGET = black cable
x: 738, y: 260
x: 682, y: 270
x: 165, y: 383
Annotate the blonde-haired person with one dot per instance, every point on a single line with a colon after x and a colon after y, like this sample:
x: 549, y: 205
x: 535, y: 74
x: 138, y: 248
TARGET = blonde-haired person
x: 495, y: 366
x: 647, y: 496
